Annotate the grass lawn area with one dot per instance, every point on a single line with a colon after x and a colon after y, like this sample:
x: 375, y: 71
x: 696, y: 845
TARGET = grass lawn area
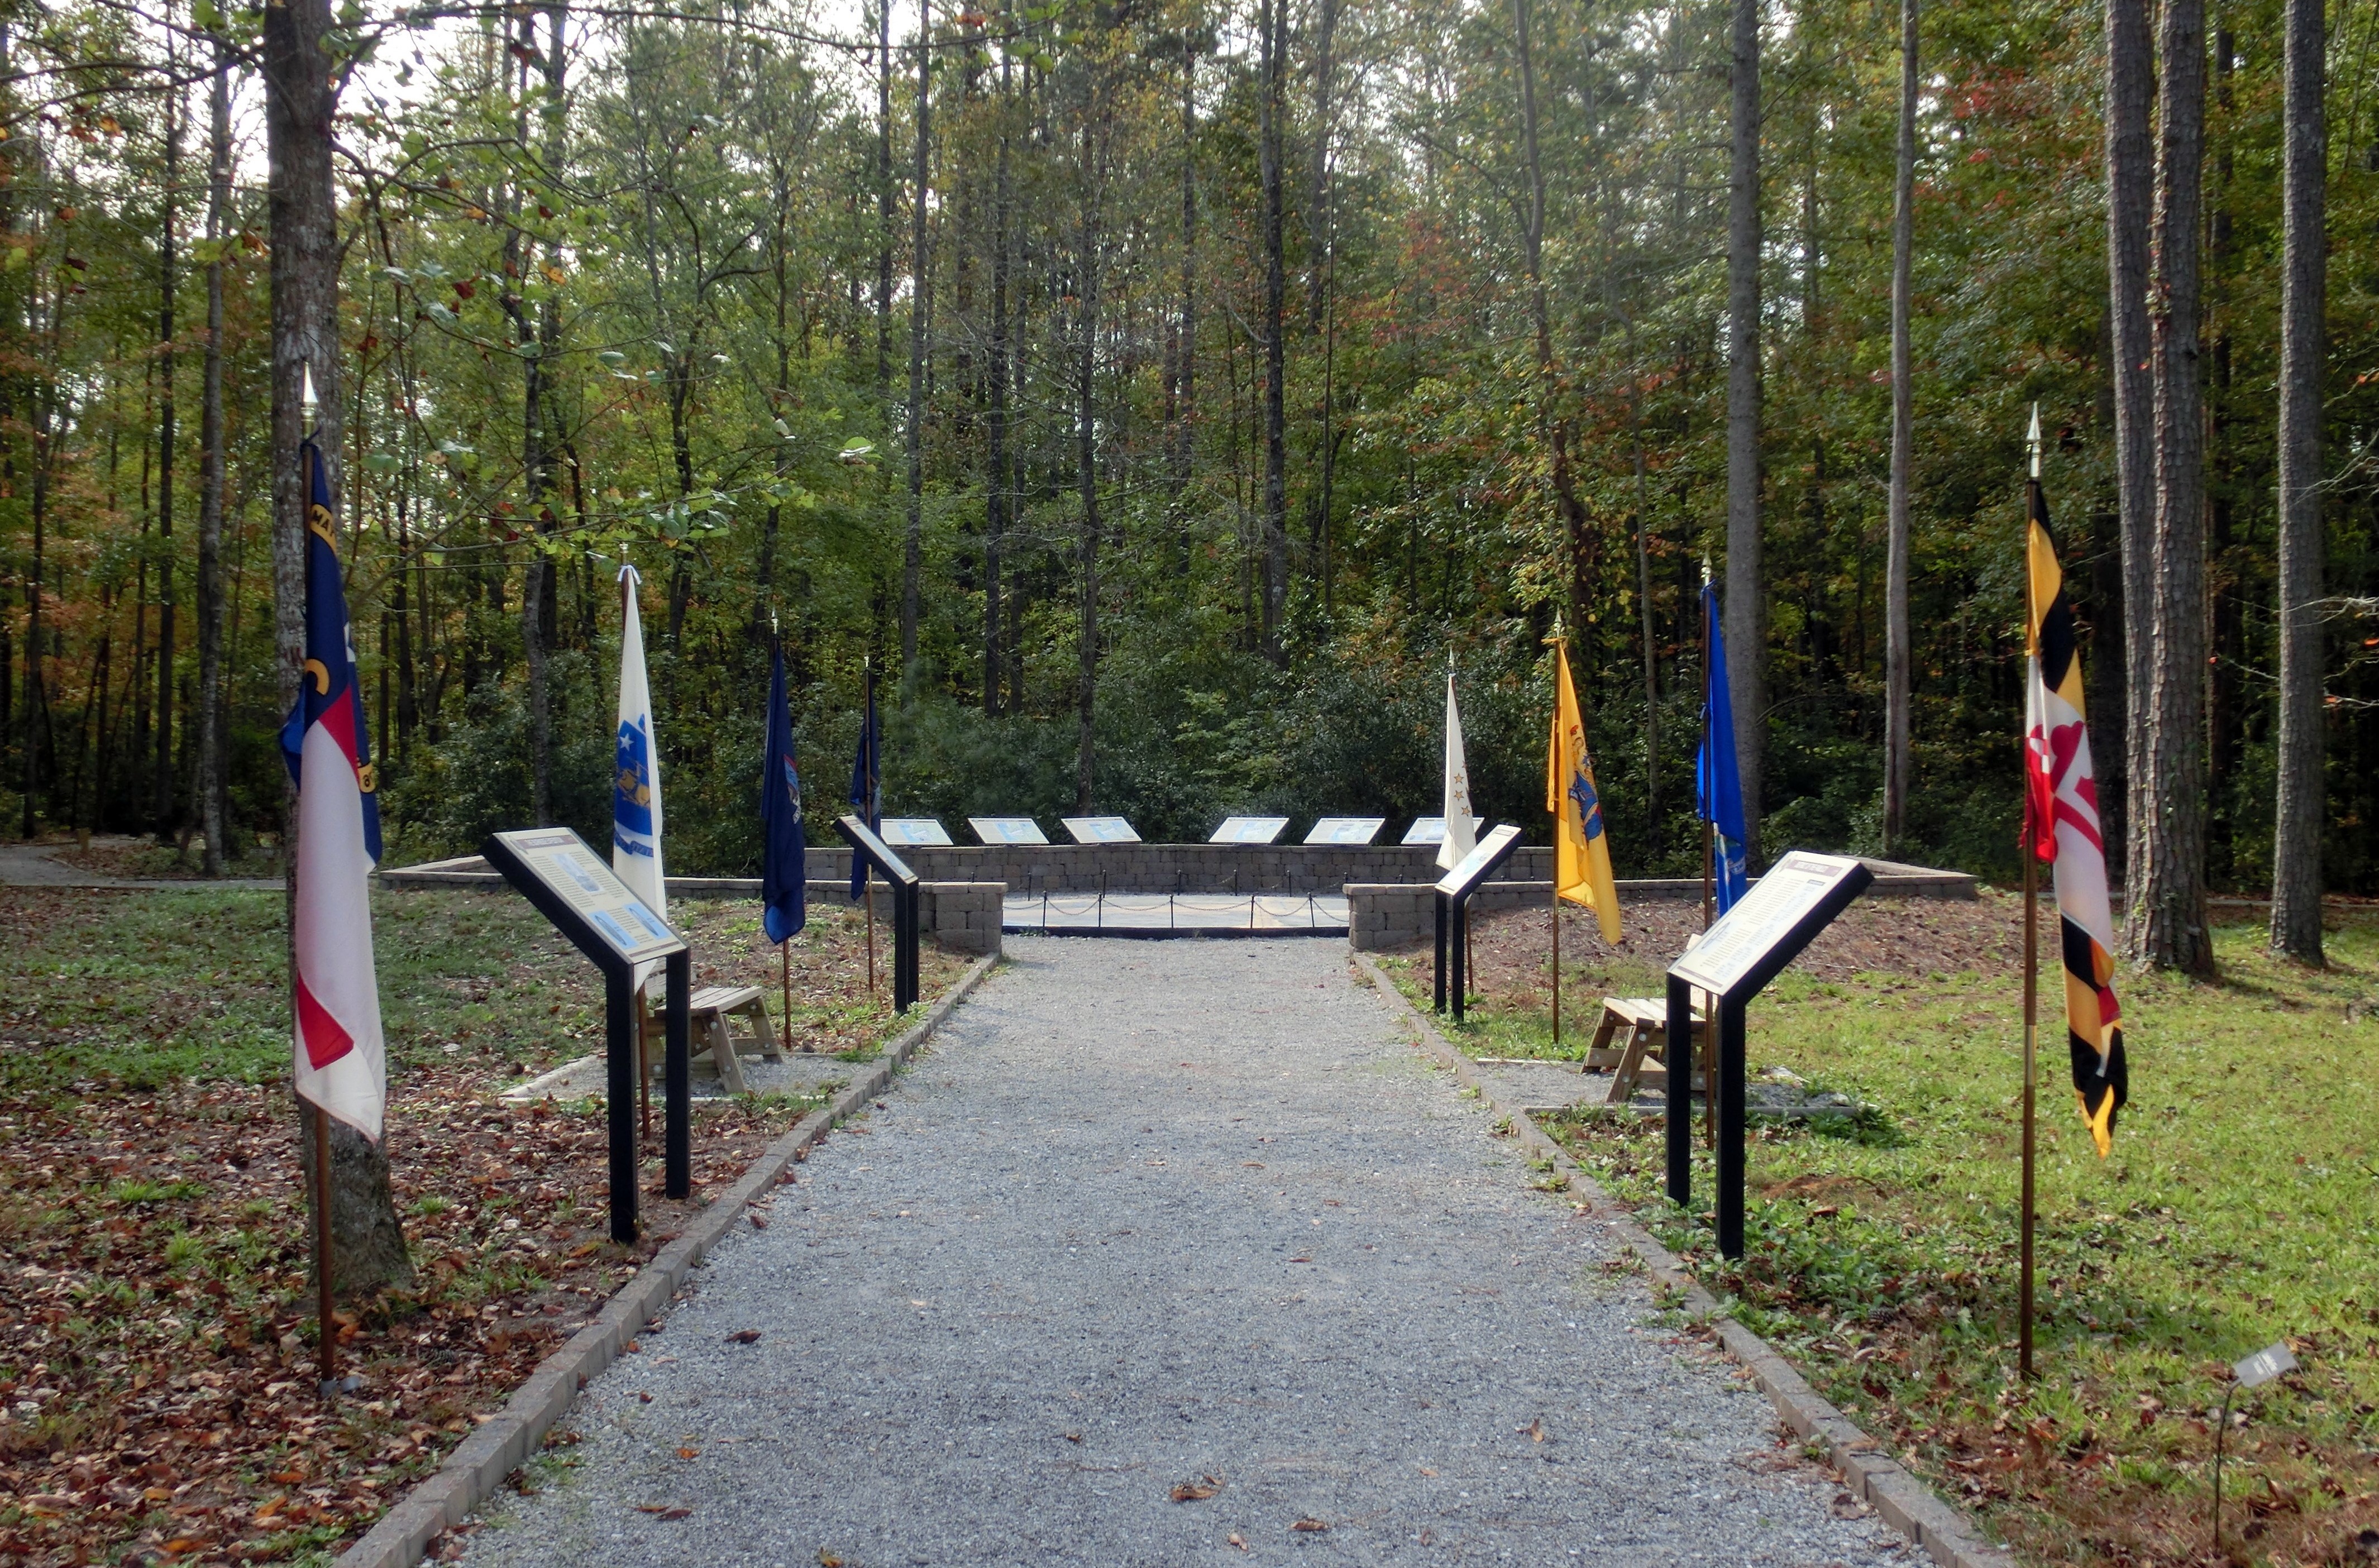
x: 2240, y: 1206
x: 156, y: 1319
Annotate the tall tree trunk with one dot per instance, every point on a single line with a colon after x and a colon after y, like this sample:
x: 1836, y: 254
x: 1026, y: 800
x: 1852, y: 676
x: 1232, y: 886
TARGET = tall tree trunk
x: 1274, y: 23
x: 1086, y: 460
x: 1186, y: 359
x: 913, y: 543
x: 161, y: 808
x: 1746, y: 611
x: 1640, y: 525
x: 2304, y: 289
x: 535, y: 583
x: 883, y: 196
x: 2166, y: 927
x: 209, y: 788
x: 2131, y: 178
x: 994, y: 537
x: 1896, y: 657
x: 301, y: 99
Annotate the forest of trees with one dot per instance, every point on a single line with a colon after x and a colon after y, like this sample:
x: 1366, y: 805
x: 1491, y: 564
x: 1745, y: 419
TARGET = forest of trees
x: 1161, y: 392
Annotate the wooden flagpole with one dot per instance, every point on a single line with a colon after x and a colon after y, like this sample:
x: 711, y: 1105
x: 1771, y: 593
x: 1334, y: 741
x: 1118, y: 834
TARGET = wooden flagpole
x: 325, y: 1319
x: 1557, y: 829
x: 2031, y: 926
x: 868, y: 867
x: 1709, y: 909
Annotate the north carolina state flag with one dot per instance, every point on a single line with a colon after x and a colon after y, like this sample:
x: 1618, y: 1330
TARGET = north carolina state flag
x: 339, y: 1063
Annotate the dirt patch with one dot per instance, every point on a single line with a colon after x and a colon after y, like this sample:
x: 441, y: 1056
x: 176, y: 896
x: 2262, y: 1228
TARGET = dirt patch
x: 1915, y: 939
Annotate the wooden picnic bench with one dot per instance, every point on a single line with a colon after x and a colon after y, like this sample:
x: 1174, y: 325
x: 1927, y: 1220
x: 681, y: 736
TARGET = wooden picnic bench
x: 713, y: 1013
x: 1646, y: 1020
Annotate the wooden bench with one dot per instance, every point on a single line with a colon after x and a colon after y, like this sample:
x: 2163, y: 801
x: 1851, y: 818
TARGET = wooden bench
x: 1646, y: 1019
x: 712, y: 1014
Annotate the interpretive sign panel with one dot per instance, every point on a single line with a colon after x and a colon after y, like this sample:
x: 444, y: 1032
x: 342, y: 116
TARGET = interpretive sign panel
x: 1491, y: 852
x: 592, y: 893
x: 1431, y: 830
x: 1798, y: 898
x: 1007, y: 830
x: 913, y: 830
x: 1248, y: 830
x: 1100, y: 830
x: 1350, y: 829
x: 1784, y: 909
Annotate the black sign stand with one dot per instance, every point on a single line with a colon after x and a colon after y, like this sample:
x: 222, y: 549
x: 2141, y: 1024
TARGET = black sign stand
x: 877, y: 853
x: 1454, y: 890
x: 620, y: 1034
x: 1804, y: 893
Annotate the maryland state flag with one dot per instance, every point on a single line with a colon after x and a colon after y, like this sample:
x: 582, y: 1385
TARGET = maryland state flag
x: 2062, y: 797
x: 1581, y: 849
x: 326, y: 743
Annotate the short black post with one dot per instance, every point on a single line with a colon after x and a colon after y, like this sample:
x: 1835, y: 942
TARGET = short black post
x: 1734, y: 1132
x: 677, y: 1125
x: 1457, y: 947
x: 1437, y: 1000
x: 620, y: 1098
x: 906, y: 917
x: 1679, y: 1114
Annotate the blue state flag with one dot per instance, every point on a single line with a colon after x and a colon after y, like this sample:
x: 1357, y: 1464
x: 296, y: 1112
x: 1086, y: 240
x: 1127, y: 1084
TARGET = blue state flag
x: 1718, y: 784
x: 784, y: 873
x: 866, y: 785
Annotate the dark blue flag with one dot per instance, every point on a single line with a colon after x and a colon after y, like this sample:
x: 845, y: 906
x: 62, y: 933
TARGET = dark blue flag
x: 784, y: 871
x: 1718, y: 785
x: 867, y: 784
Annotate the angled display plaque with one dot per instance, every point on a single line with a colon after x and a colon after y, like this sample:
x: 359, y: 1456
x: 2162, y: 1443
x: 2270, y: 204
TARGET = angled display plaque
x: 1100, y: 830
x: 1248, y: 830
x: 1351, y: 829
x: 913, y: 830
x: 1007, y: 830
x: 1731, y: 962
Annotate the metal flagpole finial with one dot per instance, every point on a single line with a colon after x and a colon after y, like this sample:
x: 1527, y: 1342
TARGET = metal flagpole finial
x: 1706, y: 571
x: 2032, y: 439
x: 307, y: 401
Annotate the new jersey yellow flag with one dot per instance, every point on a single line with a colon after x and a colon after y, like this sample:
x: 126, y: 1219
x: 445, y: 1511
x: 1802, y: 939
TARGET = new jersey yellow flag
x: 1581, y: 849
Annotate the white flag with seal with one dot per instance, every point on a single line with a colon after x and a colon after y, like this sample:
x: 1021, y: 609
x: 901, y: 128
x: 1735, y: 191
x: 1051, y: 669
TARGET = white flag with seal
x: 1461, y: 832
x: 637, y: 775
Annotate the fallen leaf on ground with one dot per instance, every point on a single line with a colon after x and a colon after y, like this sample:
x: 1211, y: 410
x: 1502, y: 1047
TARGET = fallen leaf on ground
x: 689, y: 1454
x: 1536, y: 1429
x: 827, y: 1559
x: 664, y: 1510
x: 745, y: 1337
x: 1846, y: 1506
x: 1234, y: 1538
x: 1198, y: 1491
x: 1309, y: 1524
x: 760, y: 1222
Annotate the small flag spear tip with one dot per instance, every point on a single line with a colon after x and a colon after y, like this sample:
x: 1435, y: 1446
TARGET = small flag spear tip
x: 307, y: 401
x: 2032, y: 439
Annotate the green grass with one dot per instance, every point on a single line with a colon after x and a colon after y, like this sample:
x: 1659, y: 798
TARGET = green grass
x: 2240, y: 1205
x: 144, y: 990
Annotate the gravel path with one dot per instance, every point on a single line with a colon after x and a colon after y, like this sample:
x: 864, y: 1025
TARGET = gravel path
x: 1149, y: 1213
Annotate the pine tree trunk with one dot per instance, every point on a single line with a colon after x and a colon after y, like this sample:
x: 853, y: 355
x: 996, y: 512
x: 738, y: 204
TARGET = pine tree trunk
x: 883, y: 196
x: 1897, y: 648
x: 2130, y: 176
x: 1274, y: 23
x: 2304, y: 286
x: 996, y: 483
x: 1086, y: 458
x: 162, y: 814
x: 212, y: 781
x: 913, y: 543
x: 300, y: 100
x: 1745, y: 613
x: 2167, y: 928
x: 533, y: 583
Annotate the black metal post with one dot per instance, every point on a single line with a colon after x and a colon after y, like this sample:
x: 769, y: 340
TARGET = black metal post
x: 1734, y: 1132
x: 1457, y: 943
x: 677, y: 1125
x: 1438, y: 1001
x: 1679, y: 1114
x: 906, y: 917
x: 619, y: 1097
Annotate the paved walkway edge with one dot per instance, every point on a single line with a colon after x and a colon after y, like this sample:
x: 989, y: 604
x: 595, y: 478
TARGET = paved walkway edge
x: 1906, y: 1504
x: 505, y: 1441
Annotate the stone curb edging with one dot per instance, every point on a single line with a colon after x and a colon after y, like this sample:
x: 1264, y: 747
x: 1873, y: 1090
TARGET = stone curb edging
x: 1869, y: 1472
x: 478, y: 1466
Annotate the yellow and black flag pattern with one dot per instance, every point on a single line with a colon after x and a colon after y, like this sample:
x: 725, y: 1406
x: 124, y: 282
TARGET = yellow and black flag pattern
x: 2064, y: 800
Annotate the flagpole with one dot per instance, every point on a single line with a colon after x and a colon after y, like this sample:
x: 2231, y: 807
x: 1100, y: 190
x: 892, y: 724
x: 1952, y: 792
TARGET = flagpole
x: 867, y: 869
x: 1710, y: 884
x: 1556, y: 908
x: 324, y: 1318
x: 2031, y: 932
